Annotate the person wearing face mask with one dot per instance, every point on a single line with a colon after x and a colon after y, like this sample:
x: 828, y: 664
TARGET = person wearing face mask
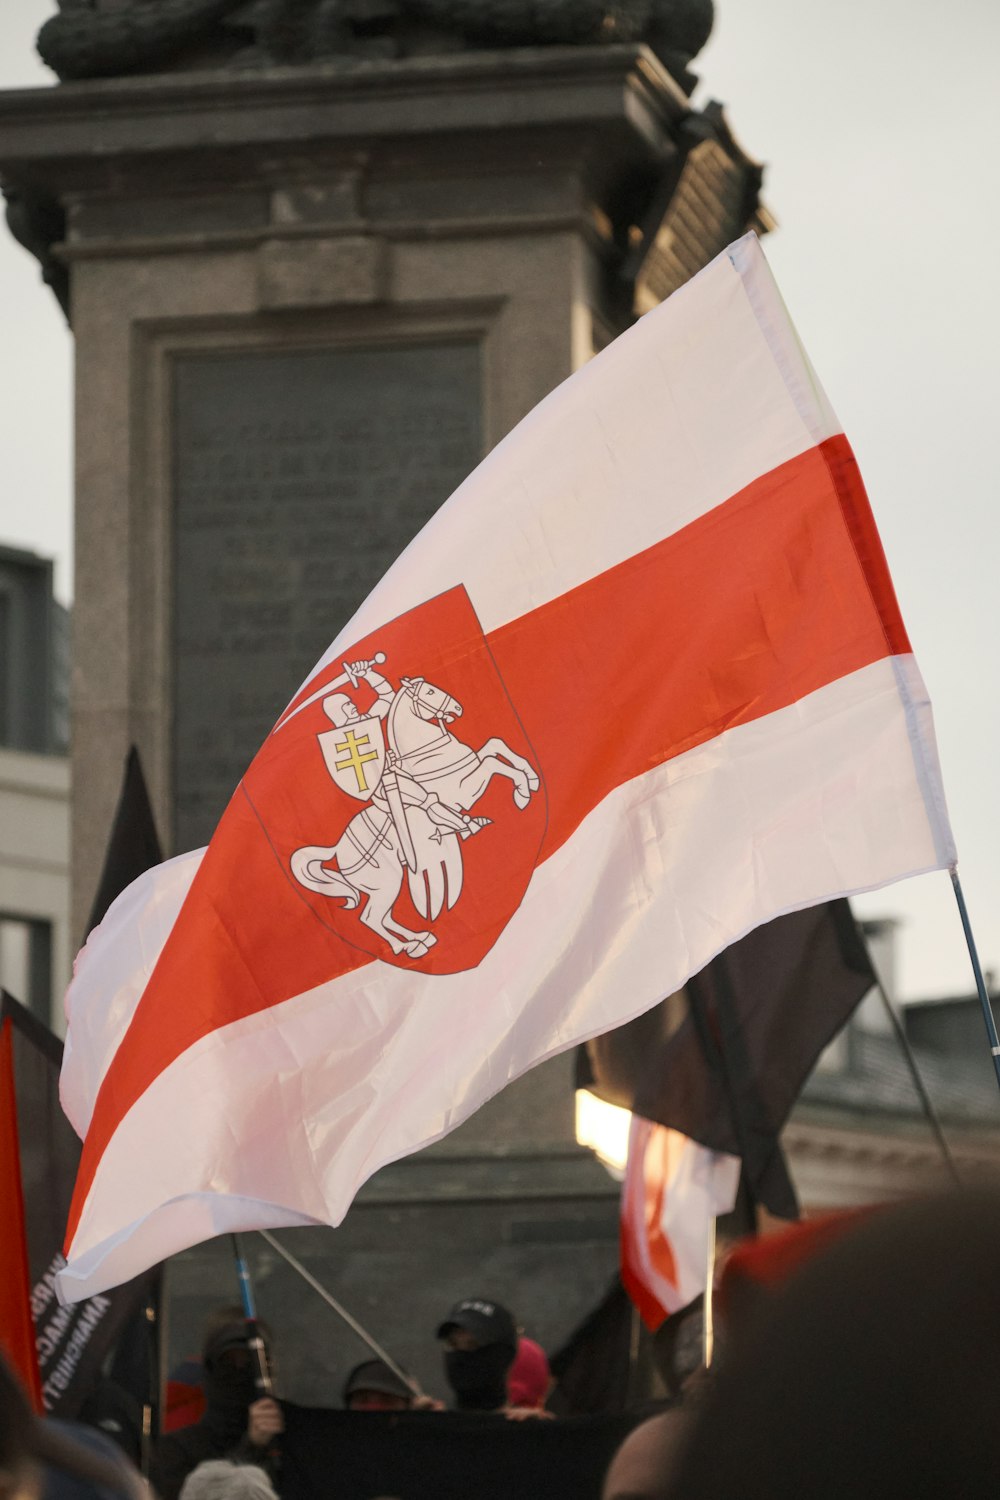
x: 238, y: 1422
x: 480, y: 1339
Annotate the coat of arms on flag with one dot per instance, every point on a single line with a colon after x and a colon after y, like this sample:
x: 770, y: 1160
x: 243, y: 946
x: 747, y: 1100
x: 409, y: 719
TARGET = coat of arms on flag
x: 436, y: 860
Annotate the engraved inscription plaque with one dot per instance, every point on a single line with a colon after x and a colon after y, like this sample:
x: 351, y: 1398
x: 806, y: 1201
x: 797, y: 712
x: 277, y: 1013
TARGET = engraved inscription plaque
x: 298, y: 478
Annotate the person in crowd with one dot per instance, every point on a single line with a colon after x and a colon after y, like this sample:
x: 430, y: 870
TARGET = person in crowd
x: 873, y: 1372
x: 45, y: 1460
x: 373, y: 1386
x: 529, y: 1378
x: 86, y: 1464
x: 20, y: 1471
x: 221, y: 1479
x: 115, y: 1411
x: 480, y: 1343
x: 238, y: 1423
x: 642, y: 1467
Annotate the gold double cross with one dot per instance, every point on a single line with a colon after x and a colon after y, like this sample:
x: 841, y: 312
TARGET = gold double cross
x: 352, y: 746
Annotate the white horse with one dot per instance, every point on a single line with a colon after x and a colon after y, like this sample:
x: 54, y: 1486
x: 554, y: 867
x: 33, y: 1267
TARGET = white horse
x: 370, y: 863
x: 439, y: 779
x: 418, y: 732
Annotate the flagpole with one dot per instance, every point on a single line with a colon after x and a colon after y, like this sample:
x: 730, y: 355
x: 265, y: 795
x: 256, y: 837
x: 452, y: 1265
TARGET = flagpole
x: 930, y: 1112
x: 984, y: 999
x: 162, y: 1351
x: 341, y: 1312
x: 263, y: 1380
x: 708, y: 1302
x: 151, y: 1406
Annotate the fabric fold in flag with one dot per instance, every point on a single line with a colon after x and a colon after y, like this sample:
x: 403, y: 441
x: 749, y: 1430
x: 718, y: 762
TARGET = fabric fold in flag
x: 639, y: 686
x: 672, y: 1192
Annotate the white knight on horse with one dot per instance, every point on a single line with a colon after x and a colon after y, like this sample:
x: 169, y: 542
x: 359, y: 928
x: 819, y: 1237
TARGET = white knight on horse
x: 418, y: 783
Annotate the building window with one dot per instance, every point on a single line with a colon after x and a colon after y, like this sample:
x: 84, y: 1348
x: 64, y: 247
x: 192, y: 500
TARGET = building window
x: 34, y: 661
x: 26, y: 962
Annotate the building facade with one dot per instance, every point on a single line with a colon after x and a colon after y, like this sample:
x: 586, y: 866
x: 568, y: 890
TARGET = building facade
x: 36, y: 944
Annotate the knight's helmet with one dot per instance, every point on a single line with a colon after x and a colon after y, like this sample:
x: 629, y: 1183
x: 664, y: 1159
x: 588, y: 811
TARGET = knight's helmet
x: 339, y: 709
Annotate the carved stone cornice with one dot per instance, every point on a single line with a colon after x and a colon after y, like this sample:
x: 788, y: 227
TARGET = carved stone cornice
x: 593, y: 139
x: 837, y: 1163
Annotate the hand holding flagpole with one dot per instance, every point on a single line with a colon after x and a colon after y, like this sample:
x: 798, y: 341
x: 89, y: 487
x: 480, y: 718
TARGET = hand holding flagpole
x: 265, y: 1422
x: 256, y: 1343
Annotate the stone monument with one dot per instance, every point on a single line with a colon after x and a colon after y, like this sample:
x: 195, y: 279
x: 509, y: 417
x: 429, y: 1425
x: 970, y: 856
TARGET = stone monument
x: 319, y: 256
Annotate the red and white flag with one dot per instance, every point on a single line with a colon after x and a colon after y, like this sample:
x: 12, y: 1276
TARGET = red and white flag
x: 673, y: 1191
x: 640, y: 685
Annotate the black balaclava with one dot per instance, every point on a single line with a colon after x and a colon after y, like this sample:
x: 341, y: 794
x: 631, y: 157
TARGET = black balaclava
x: 230, y: 1384
x: 479, y: 1376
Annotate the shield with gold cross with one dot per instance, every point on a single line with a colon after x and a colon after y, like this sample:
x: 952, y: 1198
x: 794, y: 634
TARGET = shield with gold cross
x: 355, y: 756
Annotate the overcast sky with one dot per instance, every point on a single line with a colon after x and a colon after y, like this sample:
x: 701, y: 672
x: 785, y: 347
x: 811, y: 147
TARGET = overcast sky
x: 879, y: 122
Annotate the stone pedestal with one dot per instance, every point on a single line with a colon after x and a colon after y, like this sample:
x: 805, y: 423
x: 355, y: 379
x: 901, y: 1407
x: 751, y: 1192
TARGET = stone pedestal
x: 291, y: 289
x: 306, y: 301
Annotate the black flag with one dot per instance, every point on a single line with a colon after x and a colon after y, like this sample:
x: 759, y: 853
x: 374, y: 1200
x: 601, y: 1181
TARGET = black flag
x: 133, y: 848
x: 72, y: 1342
x: 76, y: 1343
x: 724, y: 1060
x: 593, y: 1368
x: 133, y: 844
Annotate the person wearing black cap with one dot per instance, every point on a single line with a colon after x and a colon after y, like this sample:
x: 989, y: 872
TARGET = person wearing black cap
x: 373, y: 1386
x: 238, y: 1422
x: 480, y: 1339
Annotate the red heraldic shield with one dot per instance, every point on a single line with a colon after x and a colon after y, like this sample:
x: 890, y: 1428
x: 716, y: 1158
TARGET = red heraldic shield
x: 400, y: 795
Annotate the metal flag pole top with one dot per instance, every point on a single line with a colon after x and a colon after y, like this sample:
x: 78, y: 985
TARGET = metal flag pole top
x: 263, y: 1377
x: 984, y: 999
x: 341, y: 1312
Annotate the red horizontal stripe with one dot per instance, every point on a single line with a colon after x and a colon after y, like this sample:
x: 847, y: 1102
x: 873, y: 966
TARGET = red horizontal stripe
x: 765, y: 599
x: 750, y: 608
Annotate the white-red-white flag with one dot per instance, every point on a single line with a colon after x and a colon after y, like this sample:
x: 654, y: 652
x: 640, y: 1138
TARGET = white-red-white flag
x: 653, y: 640
x: 673, y: 1190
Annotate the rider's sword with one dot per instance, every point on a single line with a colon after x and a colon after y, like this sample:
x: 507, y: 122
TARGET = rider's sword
x: 329, y: 687
x: 397, y: 811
